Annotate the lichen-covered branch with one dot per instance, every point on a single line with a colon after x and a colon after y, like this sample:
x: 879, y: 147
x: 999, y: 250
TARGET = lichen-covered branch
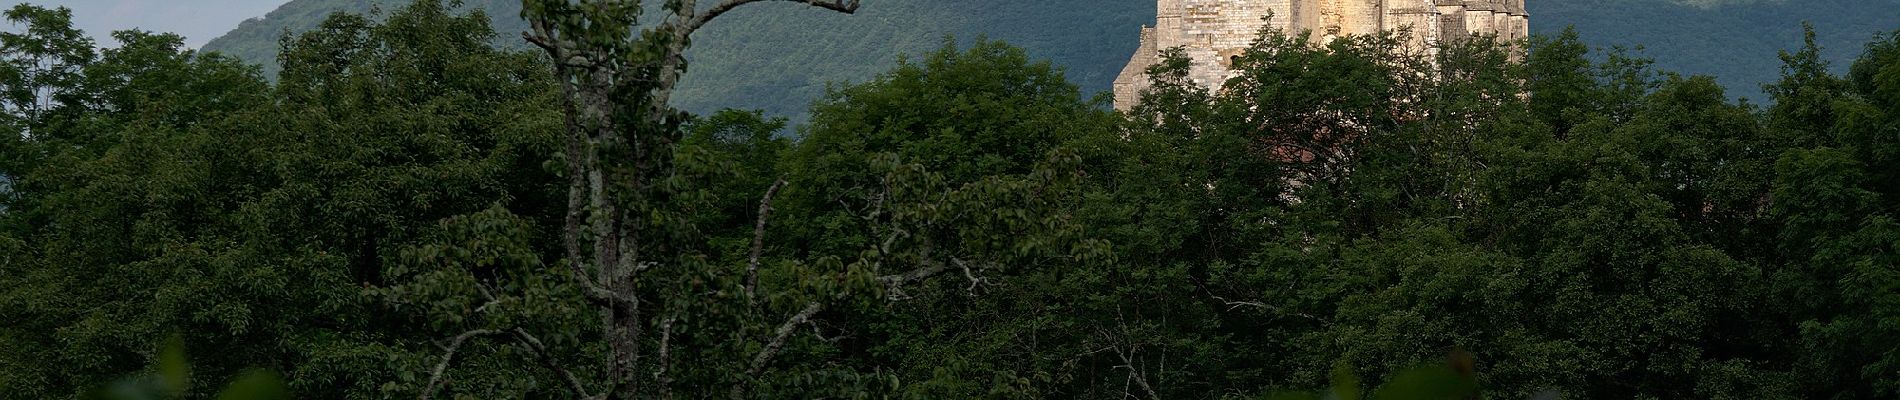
x: 548, y: 360
x: 758, y: 241
x: 617, y: 84
x: 1134, y: 373
x: 777, y: 343
x: 448, y: 355
x: 663, y: 376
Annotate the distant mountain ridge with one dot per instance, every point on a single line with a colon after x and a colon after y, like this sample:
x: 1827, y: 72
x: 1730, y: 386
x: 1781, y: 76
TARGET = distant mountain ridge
x: 780, y: 57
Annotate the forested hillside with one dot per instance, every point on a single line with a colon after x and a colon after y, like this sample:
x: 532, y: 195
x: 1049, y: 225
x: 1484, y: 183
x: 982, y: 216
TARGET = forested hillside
x: 779, y: 58
x: 1733, y: 40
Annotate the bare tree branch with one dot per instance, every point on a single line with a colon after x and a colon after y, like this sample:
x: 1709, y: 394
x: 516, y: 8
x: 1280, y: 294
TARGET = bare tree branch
x: 547, y: 359
x: 1135, y: 373
x: 448, y: 355
x: 611, y: 168
x: 758, y: 241
x: 816, y: 332
x: 843, y: 6
x: 975, y: 281
x: 776, y: 344
x: 666, y: 360
x: 534, y: 344
x: 1232, y: 305
x: 932, y: 269
x: 929, y: 269
x: 542, y: 36
x: 784, y: 332
x: 1125, y: 350
x: 681, y: 29
x: 542, y: 41
x: 931, y: 266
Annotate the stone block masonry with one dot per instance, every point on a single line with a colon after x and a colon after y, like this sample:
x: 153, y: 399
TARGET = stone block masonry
x: 1212, y: 32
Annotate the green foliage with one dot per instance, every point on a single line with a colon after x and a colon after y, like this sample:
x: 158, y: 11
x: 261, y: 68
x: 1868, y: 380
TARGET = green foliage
x: 386, y: 220
x: 991, y: 136
x: 183, y: 193
x: 173, y: 379
x: 1417, y: 383
x: 1838, y: 229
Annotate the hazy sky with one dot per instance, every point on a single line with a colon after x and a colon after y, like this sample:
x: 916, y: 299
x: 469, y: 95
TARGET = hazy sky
x: 198, y: 20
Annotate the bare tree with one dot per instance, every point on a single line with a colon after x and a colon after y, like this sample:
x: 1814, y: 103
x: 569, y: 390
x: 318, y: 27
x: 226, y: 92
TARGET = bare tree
x: 616, y: 81
x: 620, y: 136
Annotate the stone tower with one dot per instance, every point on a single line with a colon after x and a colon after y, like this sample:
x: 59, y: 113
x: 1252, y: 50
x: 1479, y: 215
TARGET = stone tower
x: 1213, y: 32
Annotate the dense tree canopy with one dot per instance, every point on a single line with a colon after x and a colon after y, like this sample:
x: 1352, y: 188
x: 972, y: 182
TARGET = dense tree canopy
x: 398, y: 217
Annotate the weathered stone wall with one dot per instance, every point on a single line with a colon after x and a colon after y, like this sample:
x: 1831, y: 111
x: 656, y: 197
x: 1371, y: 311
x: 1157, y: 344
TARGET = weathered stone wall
x: 1213, y: 31
x: 1451, y: 20
x: 1417, y: 18
x: 1134, y: 77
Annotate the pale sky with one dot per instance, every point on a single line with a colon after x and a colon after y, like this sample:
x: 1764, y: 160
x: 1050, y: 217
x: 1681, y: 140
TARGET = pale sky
x: 198, y: 21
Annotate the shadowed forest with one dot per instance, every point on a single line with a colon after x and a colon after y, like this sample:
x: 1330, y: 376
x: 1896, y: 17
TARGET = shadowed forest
x: 408, y: 211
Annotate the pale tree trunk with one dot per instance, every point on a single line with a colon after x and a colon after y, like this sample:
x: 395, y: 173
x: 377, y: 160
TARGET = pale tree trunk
x: 612, y: 168
x: 619, y: 133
